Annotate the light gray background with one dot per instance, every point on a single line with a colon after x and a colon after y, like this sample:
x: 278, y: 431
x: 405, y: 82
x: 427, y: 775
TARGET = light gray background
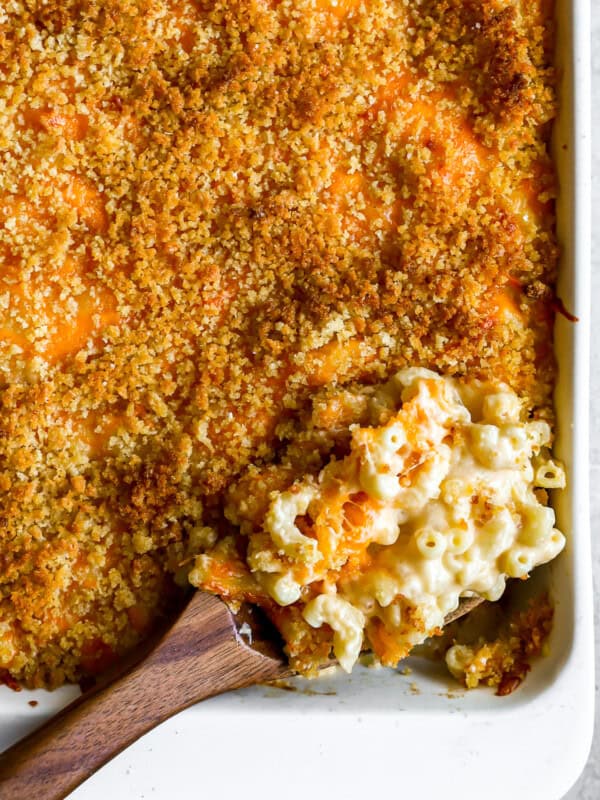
x: 588, y: 785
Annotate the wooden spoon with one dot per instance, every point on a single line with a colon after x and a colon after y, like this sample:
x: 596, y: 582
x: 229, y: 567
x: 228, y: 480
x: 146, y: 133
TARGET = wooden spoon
x: 202, y: 654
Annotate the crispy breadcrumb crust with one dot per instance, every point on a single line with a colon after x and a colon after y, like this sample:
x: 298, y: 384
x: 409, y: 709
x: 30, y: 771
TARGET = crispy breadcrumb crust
x: 214, y: 216
x: 502, y: 661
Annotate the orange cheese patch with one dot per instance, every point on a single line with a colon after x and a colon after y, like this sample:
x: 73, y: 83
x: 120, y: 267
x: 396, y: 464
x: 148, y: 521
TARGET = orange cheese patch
x: 58, y: 122
x: 40, y: 321
x: 503, y: 305
x: 335, y: 361
x: 181, y: 16
x: 85, y: 198
x: 356, y: 206
x: 456, y: 154
x: 529, y: 206
x: 337, y: 8
x: 51, y: 309
x: 432, y: 123
x: 391, y: 92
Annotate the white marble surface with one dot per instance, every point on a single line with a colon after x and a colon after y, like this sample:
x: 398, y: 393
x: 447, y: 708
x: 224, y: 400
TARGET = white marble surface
x: 588, y: 785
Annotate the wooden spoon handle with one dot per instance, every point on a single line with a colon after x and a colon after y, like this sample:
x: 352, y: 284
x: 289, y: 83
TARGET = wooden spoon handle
x: 181, y: 670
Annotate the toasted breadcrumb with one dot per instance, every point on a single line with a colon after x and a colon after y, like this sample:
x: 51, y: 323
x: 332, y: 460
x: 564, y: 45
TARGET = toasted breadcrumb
x: 503, y: 661
x: 220, y: 221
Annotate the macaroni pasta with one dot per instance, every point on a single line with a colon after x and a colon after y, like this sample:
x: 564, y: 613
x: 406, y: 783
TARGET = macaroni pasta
x: 440, y: 502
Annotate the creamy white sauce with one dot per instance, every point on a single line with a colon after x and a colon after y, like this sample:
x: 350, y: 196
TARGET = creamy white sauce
x: 446, y: 505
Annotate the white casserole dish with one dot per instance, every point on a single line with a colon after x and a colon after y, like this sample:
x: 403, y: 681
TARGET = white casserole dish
x: 377, y: 730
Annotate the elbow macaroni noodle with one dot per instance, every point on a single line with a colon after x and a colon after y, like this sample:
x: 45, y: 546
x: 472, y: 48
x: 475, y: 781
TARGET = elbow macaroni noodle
x: 436, y: 504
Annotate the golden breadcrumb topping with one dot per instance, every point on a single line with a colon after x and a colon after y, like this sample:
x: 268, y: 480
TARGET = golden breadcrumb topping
x: 501, y: 660
x: 219, y: 222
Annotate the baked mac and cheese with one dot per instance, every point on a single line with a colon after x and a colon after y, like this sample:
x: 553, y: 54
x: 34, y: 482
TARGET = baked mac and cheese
x: 222, y: 225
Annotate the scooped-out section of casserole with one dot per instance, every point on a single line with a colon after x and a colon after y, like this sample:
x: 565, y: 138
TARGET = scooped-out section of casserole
x: 442, y: 496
